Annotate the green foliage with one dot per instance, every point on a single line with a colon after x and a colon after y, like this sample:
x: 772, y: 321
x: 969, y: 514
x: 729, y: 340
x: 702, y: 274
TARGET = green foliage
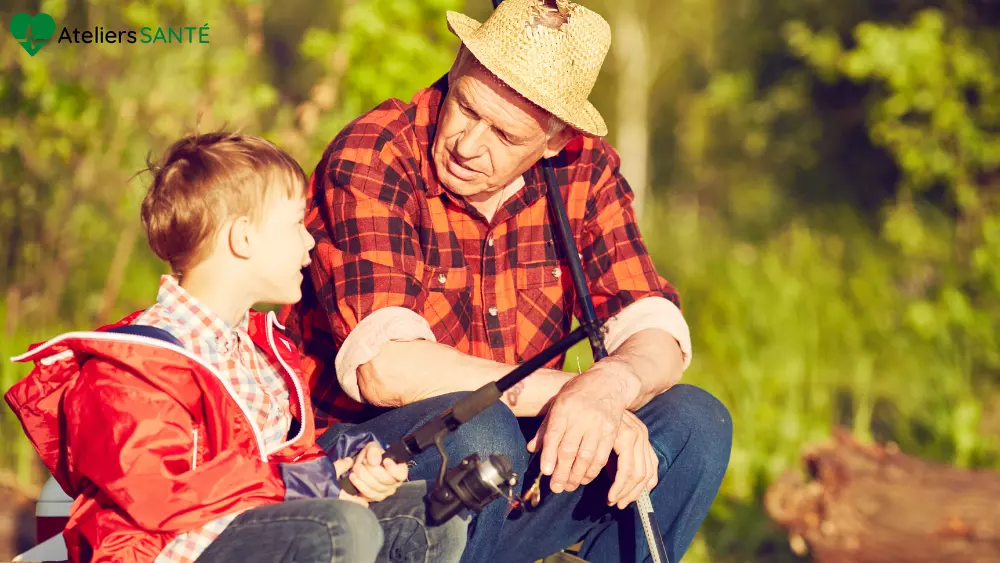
x: 415, y: 48
x: 936, y: 109
x: 798, y: 333
x: 78, y: 121
x: 804, y: 317
x: 771, y: 121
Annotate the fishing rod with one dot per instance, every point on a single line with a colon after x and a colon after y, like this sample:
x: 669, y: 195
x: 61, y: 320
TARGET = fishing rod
x: 473, y: 483
x: 644, y: 505
x: 588, y: 319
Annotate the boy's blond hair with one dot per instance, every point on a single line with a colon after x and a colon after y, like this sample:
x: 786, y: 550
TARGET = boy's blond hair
x: 205, y: 179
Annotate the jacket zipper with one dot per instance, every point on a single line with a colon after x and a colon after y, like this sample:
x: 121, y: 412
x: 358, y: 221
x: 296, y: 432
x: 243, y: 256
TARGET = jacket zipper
x: 137, y: 339
x: 194, y: 456
x: 295, y: 381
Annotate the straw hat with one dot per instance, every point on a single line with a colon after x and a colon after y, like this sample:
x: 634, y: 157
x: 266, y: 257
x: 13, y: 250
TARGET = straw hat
x: 553, y: 68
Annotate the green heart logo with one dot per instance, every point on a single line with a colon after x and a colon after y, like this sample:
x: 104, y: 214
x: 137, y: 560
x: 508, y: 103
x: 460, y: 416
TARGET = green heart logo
x: 32, y: 31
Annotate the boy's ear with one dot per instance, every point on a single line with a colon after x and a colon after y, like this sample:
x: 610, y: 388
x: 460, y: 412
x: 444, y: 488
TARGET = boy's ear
x: 239, y: 237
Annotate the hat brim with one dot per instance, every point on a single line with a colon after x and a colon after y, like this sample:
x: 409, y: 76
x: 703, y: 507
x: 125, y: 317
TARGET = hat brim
x: 586, y: 118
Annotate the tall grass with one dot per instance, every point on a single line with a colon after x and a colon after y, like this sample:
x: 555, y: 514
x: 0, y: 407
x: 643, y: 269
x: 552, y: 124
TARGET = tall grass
x: 801, y: 331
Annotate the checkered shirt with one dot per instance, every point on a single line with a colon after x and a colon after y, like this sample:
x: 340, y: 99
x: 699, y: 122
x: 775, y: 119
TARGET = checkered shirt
x: 257, y: 381
x: 388, y: 234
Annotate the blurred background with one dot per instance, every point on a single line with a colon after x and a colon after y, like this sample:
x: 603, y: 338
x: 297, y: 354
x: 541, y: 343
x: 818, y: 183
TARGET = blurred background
x: 821, y: 181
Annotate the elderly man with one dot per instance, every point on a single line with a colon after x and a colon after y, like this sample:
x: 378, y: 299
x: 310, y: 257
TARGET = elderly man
x: 435, y: 271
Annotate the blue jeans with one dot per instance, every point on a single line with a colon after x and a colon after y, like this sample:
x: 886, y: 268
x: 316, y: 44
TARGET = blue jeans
x: 690, y: 430
x: 325, y: 530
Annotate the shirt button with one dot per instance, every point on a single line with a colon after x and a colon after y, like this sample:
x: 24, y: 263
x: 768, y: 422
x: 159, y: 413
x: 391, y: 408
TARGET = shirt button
x: 442, y: 278
x: 556, y: 272
x: 494, y: 311
x: 490, y: 241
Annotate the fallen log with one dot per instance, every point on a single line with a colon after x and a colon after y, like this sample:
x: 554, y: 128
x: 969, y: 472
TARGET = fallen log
x: 869, y: 503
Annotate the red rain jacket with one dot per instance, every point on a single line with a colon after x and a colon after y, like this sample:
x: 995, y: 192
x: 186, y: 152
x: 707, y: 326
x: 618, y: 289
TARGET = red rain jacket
x: 149, y: 439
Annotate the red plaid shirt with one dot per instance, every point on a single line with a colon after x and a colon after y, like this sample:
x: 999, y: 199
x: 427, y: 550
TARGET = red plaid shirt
x: 388, y: 234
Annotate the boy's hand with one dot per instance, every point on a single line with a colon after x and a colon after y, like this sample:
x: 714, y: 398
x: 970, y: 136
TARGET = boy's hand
x: 342, y: 465
x: 375, y: 478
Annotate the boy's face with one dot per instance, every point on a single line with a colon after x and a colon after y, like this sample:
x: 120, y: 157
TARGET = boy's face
x: 280, y: 251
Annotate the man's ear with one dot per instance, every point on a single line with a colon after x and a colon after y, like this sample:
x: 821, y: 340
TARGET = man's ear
x: 239, y: 237
x: 558, y: 142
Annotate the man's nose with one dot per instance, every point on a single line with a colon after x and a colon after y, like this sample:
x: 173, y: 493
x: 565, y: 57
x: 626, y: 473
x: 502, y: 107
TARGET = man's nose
x: 470, y: 143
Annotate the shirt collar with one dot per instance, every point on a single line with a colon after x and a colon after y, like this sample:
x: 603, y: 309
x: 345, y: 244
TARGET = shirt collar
x: 427, y: 103
x: 194, y: 316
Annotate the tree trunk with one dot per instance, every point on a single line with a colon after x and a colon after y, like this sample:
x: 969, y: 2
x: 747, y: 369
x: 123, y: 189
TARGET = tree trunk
x: 870, y: 503
x: 631, y: 51
x: 117, y: 271
x: 13, y: 311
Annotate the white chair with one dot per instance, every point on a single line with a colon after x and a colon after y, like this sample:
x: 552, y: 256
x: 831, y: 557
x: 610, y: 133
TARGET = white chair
x: 50, y: 512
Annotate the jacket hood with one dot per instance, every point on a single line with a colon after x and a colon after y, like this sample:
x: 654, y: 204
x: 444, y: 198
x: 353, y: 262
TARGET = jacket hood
x: 37, y: 399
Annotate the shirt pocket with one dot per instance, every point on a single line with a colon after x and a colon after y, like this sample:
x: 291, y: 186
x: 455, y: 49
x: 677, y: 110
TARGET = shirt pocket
x: 448, y: 308
x: 544, y: 305
x: 540, y: 273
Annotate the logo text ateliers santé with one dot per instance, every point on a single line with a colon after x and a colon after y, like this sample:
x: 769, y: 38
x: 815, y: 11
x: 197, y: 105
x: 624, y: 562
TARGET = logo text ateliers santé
x: 187, y: 34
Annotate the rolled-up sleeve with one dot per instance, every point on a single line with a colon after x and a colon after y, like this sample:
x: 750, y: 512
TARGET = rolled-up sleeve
x: 623, y: 280
x: 391, y: 324
x: 649, y: 312
x: 367, y: 258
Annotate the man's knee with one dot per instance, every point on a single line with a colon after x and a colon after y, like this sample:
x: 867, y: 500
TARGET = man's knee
x: 495, y: 430
x: 703, y: 422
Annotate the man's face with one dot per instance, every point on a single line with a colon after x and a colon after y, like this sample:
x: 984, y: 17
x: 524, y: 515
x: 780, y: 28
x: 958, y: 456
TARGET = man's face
x: 487, y: 135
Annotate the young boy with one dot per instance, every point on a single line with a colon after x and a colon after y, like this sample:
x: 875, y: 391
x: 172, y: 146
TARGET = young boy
x: 185, y: 431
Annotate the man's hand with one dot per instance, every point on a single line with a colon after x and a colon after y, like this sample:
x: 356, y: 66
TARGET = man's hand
x: 375, y: 478
x: 581, y: 426
x: 637, y: 465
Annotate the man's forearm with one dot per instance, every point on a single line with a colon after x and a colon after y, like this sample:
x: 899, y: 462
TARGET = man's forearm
x: 406, y: 372
x: 654, y: 357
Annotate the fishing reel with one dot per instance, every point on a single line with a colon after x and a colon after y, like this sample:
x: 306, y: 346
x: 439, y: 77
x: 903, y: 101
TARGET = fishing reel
x: 472, y: 484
